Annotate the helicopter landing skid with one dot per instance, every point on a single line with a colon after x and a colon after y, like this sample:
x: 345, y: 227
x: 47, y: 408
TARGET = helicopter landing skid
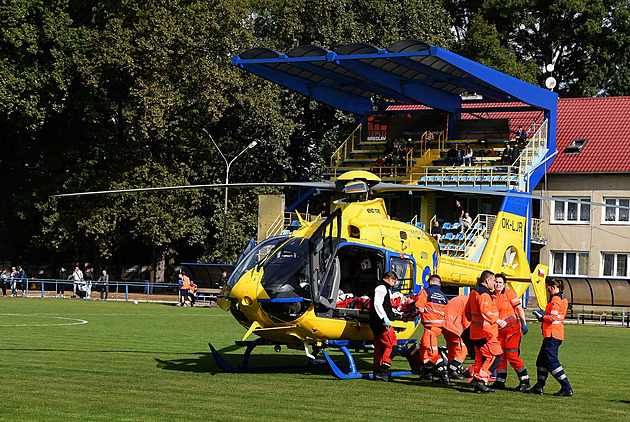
x: 244, y: 365
x: 353, y: 373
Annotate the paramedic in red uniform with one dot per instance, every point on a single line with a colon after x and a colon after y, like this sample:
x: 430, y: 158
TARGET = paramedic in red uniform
x: 484, y: 330
x: 381, y: 314
x: 510, y: 311
x: 454, y: 323
x: 553, y: 334
x: 431, y: 304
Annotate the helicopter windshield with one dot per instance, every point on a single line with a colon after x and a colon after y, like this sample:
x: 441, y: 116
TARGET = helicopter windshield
x: 285, y: 271
x: 254, y: 257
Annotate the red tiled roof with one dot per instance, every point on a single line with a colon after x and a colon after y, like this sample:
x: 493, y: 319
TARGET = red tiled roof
x: 605, y: 122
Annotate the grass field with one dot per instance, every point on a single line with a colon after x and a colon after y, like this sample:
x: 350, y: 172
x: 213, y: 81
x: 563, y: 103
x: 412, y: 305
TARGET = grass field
x: 152, y: 362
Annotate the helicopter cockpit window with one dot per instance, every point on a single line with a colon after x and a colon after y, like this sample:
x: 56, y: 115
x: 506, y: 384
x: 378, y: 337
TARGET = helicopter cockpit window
x: 286, y: 270
x: 405, y: 269
x: 254, y: 257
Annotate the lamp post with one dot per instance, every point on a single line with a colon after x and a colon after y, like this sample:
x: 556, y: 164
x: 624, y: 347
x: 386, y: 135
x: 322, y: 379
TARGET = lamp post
x: 227, y: 181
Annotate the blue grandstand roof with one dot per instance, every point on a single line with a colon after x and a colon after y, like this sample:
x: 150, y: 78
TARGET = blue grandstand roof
x: 407, y: 72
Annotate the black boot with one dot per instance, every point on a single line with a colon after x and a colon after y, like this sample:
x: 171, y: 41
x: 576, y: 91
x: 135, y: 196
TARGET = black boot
x: 536, y: 389
x: 442, y: 374
x: 564, y: 392
x: 481, y: 387
x: 498, y: 385
x: 426, y: 373
x: 382, y: 374
x: 524, y: 385
x: 455, y: 371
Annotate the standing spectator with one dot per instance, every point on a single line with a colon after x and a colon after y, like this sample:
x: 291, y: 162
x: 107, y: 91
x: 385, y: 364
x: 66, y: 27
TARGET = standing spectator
x: 89, y: 280
x: 147, y: 280
x: 516, y: 152
x: 63, y: 276
x: 13, y: 278
x: 77, y: 278
x: 23, y: 280
x: 4, y: 277
x: 506, y: 155
x: 459, y: 212
x: 104, y: 284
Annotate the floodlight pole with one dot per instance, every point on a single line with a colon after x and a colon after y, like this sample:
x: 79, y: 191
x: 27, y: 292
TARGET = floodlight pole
x: 228, y: 164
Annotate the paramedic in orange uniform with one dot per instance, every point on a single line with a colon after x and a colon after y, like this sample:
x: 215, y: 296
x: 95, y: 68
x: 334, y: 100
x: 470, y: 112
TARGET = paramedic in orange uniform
x: 431, y: 304
x: 553, y: 334
x: 455, y: 322
x: 184, y: 286
x: 484, y: 330
x: 510, y: 311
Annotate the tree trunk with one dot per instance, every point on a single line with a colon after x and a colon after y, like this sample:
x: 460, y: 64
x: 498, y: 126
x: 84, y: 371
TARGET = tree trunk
x: 160, y: 265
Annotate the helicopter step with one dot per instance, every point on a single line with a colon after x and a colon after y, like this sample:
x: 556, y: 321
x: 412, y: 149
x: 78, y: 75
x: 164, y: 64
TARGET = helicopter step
x: 349, y: 365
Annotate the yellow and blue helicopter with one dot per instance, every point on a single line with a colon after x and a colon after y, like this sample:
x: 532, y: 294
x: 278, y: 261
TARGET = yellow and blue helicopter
x: 286, y: 290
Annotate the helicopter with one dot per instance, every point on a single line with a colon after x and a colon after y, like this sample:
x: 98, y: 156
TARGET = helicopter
x: 293, y: 290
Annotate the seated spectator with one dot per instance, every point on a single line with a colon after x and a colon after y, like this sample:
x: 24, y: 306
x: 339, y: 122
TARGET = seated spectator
x: 459, y: 160
x: 436, y: 231
x: 468, y: 155
x: 378, y: 164
x: 451, y: 156
x: 466, y: 222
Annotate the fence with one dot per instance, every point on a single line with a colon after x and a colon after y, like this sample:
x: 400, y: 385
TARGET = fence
x: 115, y: 290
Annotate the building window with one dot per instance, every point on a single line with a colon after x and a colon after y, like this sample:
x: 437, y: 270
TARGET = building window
x: 617, y: 215
x: 569, y: 263
x: 615, y: 264
x: 571, y: 212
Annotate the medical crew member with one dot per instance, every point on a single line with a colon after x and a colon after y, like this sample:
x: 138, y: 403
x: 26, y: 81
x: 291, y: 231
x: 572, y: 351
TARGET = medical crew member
x: 484, y: 330
x: 454, y: 324
x: 553, y: 334
x: 381, y: 315
x: 184, y: 286
x: 431, y: 304
x: 511, y: 311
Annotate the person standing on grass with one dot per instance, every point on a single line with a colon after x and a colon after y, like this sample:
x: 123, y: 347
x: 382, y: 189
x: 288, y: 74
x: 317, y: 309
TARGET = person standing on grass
x: 553, y: 335
x: 104, y: 284
x: 23, y: 280
x: 4, y: 277
x: 184, y: 287
x: 77, y: 278
x: 381, y: 314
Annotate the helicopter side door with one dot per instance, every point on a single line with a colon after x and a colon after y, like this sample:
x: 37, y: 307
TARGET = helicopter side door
x: 324, y: 265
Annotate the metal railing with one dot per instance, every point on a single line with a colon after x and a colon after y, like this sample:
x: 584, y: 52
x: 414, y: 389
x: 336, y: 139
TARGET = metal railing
x: 119, y: 290
x: 532, y: 153
x: 467, y: 176
x: 539, y: 231
x: 342, y: 153
x: 284, y: 220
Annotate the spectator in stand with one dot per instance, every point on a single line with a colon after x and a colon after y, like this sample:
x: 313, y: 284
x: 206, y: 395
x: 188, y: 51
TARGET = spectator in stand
x: 516, y: 152
x: 77, y: 279
x: 430, y: 136
x: 4, y: 277
x: 436, y: 231
x: 13, y: 279
x: 451, y: 156
x: 521, y: 136
x: 63, y: 277
x: 506, y: 155
x: 389, y: 146
x: 23, y: 280
x: 468, y: 155
x: 378, y: 165
x: 104, y: 284
x: 459, y: 160
x: 466, y: 222
x: 459, y: 212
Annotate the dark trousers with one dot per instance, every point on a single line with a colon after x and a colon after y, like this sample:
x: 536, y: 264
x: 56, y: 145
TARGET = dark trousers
x: 548, y: 362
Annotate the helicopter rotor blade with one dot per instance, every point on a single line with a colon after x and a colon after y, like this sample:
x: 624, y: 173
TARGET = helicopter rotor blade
x: 313, y: 185
x: 390, y: 187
